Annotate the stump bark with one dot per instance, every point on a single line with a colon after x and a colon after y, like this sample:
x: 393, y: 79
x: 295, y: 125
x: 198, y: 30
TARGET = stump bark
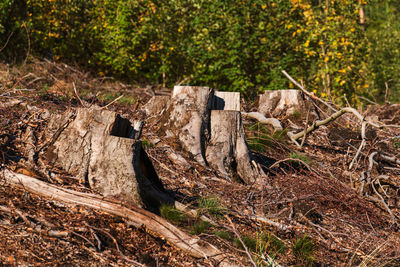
x: 100, y: 146
x: 227, y: 150
x: 187, y: 118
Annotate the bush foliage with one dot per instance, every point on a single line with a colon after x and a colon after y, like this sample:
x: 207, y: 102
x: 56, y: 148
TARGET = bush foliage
x: 229, y: 45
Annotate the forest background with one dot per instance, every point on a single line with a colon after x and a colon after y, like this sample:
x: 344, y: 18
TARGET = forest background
x: 340, y: 50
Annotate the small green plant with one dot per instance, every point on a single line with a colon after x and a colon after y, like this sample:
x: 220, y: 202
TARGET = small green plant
x: 146, y: 143
x: 248, y: 241
x: 304, y: 249
x: 170, y: 213
x: 200, y: 227
x: 224, y: 235
x: 272, y: 243
x: 212, y: 206
x: 300, y: 156
x: 396, y: 142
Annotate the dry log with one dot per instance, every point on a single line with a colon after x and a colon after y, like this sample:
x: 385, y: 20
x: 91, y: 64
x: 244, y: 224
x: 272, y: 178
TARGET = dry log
x: 227, y: 150
x: 194, y: 246
x: 99, y: 145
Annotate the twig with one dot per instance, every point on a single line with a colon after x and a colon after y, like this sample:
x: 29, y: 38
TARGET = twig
x: 77, y: 95
x: 363, y: 141
x: 241, y: 241
x: 8, y: 39
x: 306, y: 92
x: 305, y: 129
x: 112, y: 102
x: 135, y: 263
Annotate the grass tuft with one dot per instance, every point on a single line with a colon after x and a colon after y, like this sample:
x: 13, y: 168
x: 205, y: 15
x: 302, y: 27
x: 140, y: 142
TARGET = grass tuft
x: 171, y: 214
x: 200, y: 227
x: 212, y: 206
x: 304, y: 249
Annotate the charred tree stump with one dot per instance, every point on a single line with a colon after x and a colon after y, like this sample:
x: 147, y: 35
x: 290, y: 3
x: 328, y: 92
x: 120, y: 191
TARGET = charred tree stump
x: 227, y: 150
x: 103, y: 148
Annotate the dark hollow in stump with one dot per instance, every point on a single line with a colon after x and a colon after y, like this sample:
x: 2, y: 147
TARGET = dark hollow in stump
x: 227, y: 150
x: 100, y: 146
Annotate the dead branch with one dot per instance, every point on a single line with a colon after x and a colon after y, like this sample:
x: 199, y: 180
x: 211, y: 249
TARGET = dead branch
x: 363, y: 141
x: 333, y: 117
x: 262, y: 119
x: 191, y: 245
x: 306, y: 92
x: 371, y: 164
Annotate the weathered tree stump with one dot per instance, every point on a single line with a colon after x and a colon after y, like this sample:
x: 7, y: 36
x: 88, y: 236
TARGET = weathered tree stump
x: 227, y: 150
x: 187, y: 118
x: 282, y: 103
x: 218, y: 142
x: 100, y: 146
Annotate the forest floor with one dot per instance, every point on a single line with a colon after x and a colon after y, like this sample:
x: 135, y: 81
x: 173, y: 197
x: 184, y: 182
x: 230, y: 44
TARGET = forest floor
x: 314, y: 210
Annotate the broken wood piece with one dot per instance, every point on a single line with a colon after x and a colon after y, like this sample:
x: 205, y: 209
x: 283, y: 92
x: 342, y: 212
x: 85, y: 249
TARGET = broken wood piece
x: 262, y: 119
x: 227, y: 150
x: 226, y: 101
x: 194, y: 246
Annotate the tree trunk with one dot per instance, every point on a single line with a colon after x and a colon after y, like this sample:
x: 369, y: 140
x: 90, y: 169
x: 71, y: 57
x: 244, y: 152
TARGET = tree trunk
x: 99, y: 145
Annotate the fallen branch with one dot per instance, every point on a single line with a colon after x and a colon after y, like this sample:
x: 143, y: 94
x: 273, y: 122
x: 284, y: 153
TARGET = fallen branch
x: 194, y: 246
x: 333, y: 117
x: 262, y: 119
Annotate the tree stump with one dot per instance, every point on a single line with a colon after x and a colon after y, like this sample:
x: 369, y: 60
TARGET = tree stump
x: 218, y: 142
x: 100, y: 146
x: 227, y: 150
x: 187, y: 118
